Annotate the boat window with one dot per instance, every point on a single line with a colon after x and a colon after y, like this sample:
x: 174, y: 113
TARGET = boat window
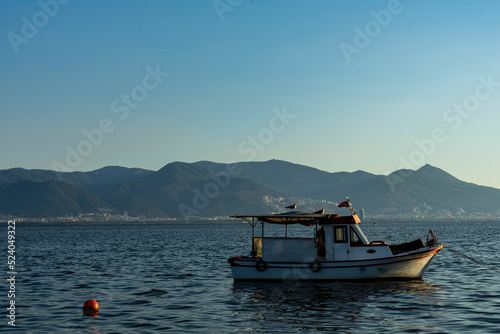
x: 340, y: 234
x: 360, y: 234
x: 355, y: 239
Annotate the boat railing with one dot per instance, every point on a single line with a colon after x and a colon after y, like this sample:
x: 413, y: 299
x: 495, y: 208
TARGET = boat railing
x: 431, y: 239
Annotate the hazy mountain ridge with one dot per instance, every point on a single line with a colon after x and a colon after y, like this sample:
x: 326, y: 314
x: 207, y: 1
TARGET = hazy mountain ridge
x: 98, y: 181
x: 48, y: 198
x: 205, y: 189
x: 427, y: 190
x: 297, y: 180
x: 181, y: 190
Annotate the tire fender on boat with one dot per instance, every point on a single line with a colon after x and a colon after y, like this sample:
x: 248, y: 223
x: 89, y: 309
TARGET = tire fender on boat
x: 315, y: 266
x: 261, y: 265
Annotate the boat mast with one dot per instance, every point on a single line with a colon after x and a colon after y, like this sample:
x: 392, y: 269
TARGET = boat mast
x: 350, y: 206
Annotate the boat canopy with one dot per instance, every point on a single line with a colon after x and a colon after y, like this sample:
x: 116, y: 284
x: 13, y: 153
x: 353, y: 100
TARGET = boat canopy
x: 303, y: 218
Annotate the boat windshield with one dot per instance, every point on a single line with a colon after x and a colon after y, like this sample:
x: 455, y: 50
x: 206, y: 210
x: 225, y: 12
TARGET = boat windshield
x: 356, y: 233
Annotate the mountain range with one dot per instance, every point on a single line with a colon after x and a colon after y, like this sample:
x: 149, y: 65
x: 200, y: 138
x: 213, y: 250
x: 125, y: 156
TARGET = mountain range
x: 207, y: 189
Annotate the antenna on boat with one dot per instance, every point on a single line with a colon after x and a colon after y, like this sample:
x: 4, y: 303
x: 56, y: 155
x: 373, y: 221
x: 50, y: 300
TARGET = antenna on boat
x: 350, y: 206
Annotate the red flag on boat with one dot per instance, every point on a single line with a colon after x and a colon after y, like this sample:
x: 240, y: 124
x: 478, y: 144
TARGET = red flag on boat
x: 344, y: 204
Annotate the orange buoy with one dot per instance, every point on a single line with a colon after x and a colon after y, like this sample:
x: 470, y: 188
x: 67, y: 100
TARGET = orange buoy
x: 91, y: 308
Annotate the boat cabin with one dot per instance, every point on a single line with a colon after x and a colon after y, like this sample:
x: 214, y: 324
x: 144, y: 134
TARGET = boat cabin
x: 333, y: 238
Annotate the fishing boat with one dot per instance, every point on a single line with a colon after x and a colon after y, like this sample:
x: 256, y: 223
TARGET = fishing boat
x: 336, y: 249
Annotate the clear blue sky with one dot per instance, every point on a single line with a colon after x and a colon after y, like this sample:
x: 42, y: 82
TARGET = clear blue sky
x: 336, y: 85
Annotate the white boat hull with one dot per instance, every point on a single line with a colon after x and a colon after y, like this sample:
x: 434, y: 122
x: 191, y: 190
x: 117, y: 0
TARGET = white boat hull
x: 410, y: 265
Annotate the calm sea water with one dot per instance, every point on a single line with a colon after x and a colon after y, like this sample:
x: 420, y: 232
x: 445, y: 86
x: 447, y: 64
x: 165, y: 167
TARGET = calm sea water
x: 175, y: 278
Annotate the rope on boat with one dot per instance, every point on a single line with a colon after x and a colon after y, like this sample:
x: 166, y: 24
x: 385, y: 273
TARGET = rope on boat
x: 472, y: 259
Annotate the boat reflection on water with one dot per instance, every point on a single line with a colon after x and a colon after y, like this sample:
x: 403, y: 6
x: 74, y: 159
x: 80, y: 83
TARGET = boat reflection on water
x: 335, y: 306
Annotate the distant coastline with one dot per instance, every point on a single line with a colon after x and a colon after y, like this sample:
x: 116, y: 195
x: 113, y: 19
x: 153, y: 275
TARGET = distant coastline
x: 222, y: 220
x: 185, y: 192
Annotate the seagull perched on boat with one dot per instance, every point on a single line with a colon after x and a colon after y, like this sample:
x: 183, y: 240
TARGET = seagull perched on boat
x: 292, y: 206
x: 320, y: 212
